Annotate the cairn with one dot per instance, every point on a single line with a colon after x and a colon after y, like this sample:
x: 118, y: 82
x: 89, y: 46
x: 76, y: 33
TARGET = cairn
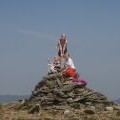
x: 56, y: 92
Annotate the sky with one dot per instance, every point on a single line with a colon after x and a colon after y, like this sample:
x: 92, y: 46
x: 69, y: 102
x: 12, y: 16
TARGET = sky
x: 30, y: 30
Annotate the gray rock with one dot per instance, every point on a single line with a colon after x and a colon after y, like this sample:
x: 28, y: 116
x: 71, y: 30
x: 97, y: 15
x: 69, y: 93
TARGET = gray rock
x: 117, y: 107
x: 34, y: 109
x: 109, y: 109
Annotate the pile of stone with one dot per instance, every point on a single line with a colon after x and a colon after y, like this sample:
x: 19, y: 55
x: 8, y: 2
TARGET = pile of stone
x: 56, y: 92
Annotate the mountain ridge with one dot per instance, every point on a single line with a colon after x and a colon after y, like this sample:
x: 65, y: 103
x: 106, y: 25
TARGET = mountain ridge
x: 10, y: 98
x: 118, y: 100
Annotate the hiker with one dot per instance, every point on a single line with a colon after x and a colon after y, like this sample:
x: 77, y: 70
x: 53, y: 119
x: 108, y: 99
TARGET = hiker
x: 51, y: 69
x: 54, y: 66
x: 70, y: 69
x: 62, y: 45
x: 56, y: 63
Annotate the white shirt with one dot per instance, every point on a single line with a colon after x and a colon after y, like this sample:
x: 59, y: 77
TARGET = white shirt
x: 70, y: 63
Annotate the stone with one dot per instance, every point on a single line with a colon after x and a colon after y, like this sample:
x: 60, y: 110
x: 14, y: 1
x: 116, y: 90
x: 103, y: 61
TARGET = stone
x: 34, y: 109
x: 109, y: 109
x: 69, y: 100
x: 67, y: 113
x: 117, y: 107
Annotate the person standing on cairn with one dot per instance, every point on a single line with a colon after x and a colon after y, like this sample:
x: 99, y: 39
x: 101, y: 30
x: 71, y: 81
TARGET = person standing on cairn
x: 62, y: 45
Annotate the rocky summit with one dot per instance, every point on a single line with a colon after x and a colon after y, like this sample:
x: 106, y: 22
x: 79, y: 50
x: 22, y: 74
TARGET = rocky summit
x: 56, y: 92
x: 58, y: 98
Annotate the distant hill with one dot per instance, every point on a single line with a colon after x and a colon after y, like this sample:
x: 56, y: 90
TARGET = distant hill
x: 118, y: 100
x: 9, y: 98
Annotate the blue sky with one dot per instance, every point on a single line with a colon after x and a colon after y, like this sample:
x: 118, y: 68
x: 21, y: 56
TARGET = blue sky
x: 30, y: 29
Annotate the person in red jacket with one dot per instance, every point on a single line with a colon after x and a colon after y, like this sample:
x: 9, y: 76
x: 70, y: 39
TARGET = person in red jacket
x: 70, y: 70
x: 62, y: 45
